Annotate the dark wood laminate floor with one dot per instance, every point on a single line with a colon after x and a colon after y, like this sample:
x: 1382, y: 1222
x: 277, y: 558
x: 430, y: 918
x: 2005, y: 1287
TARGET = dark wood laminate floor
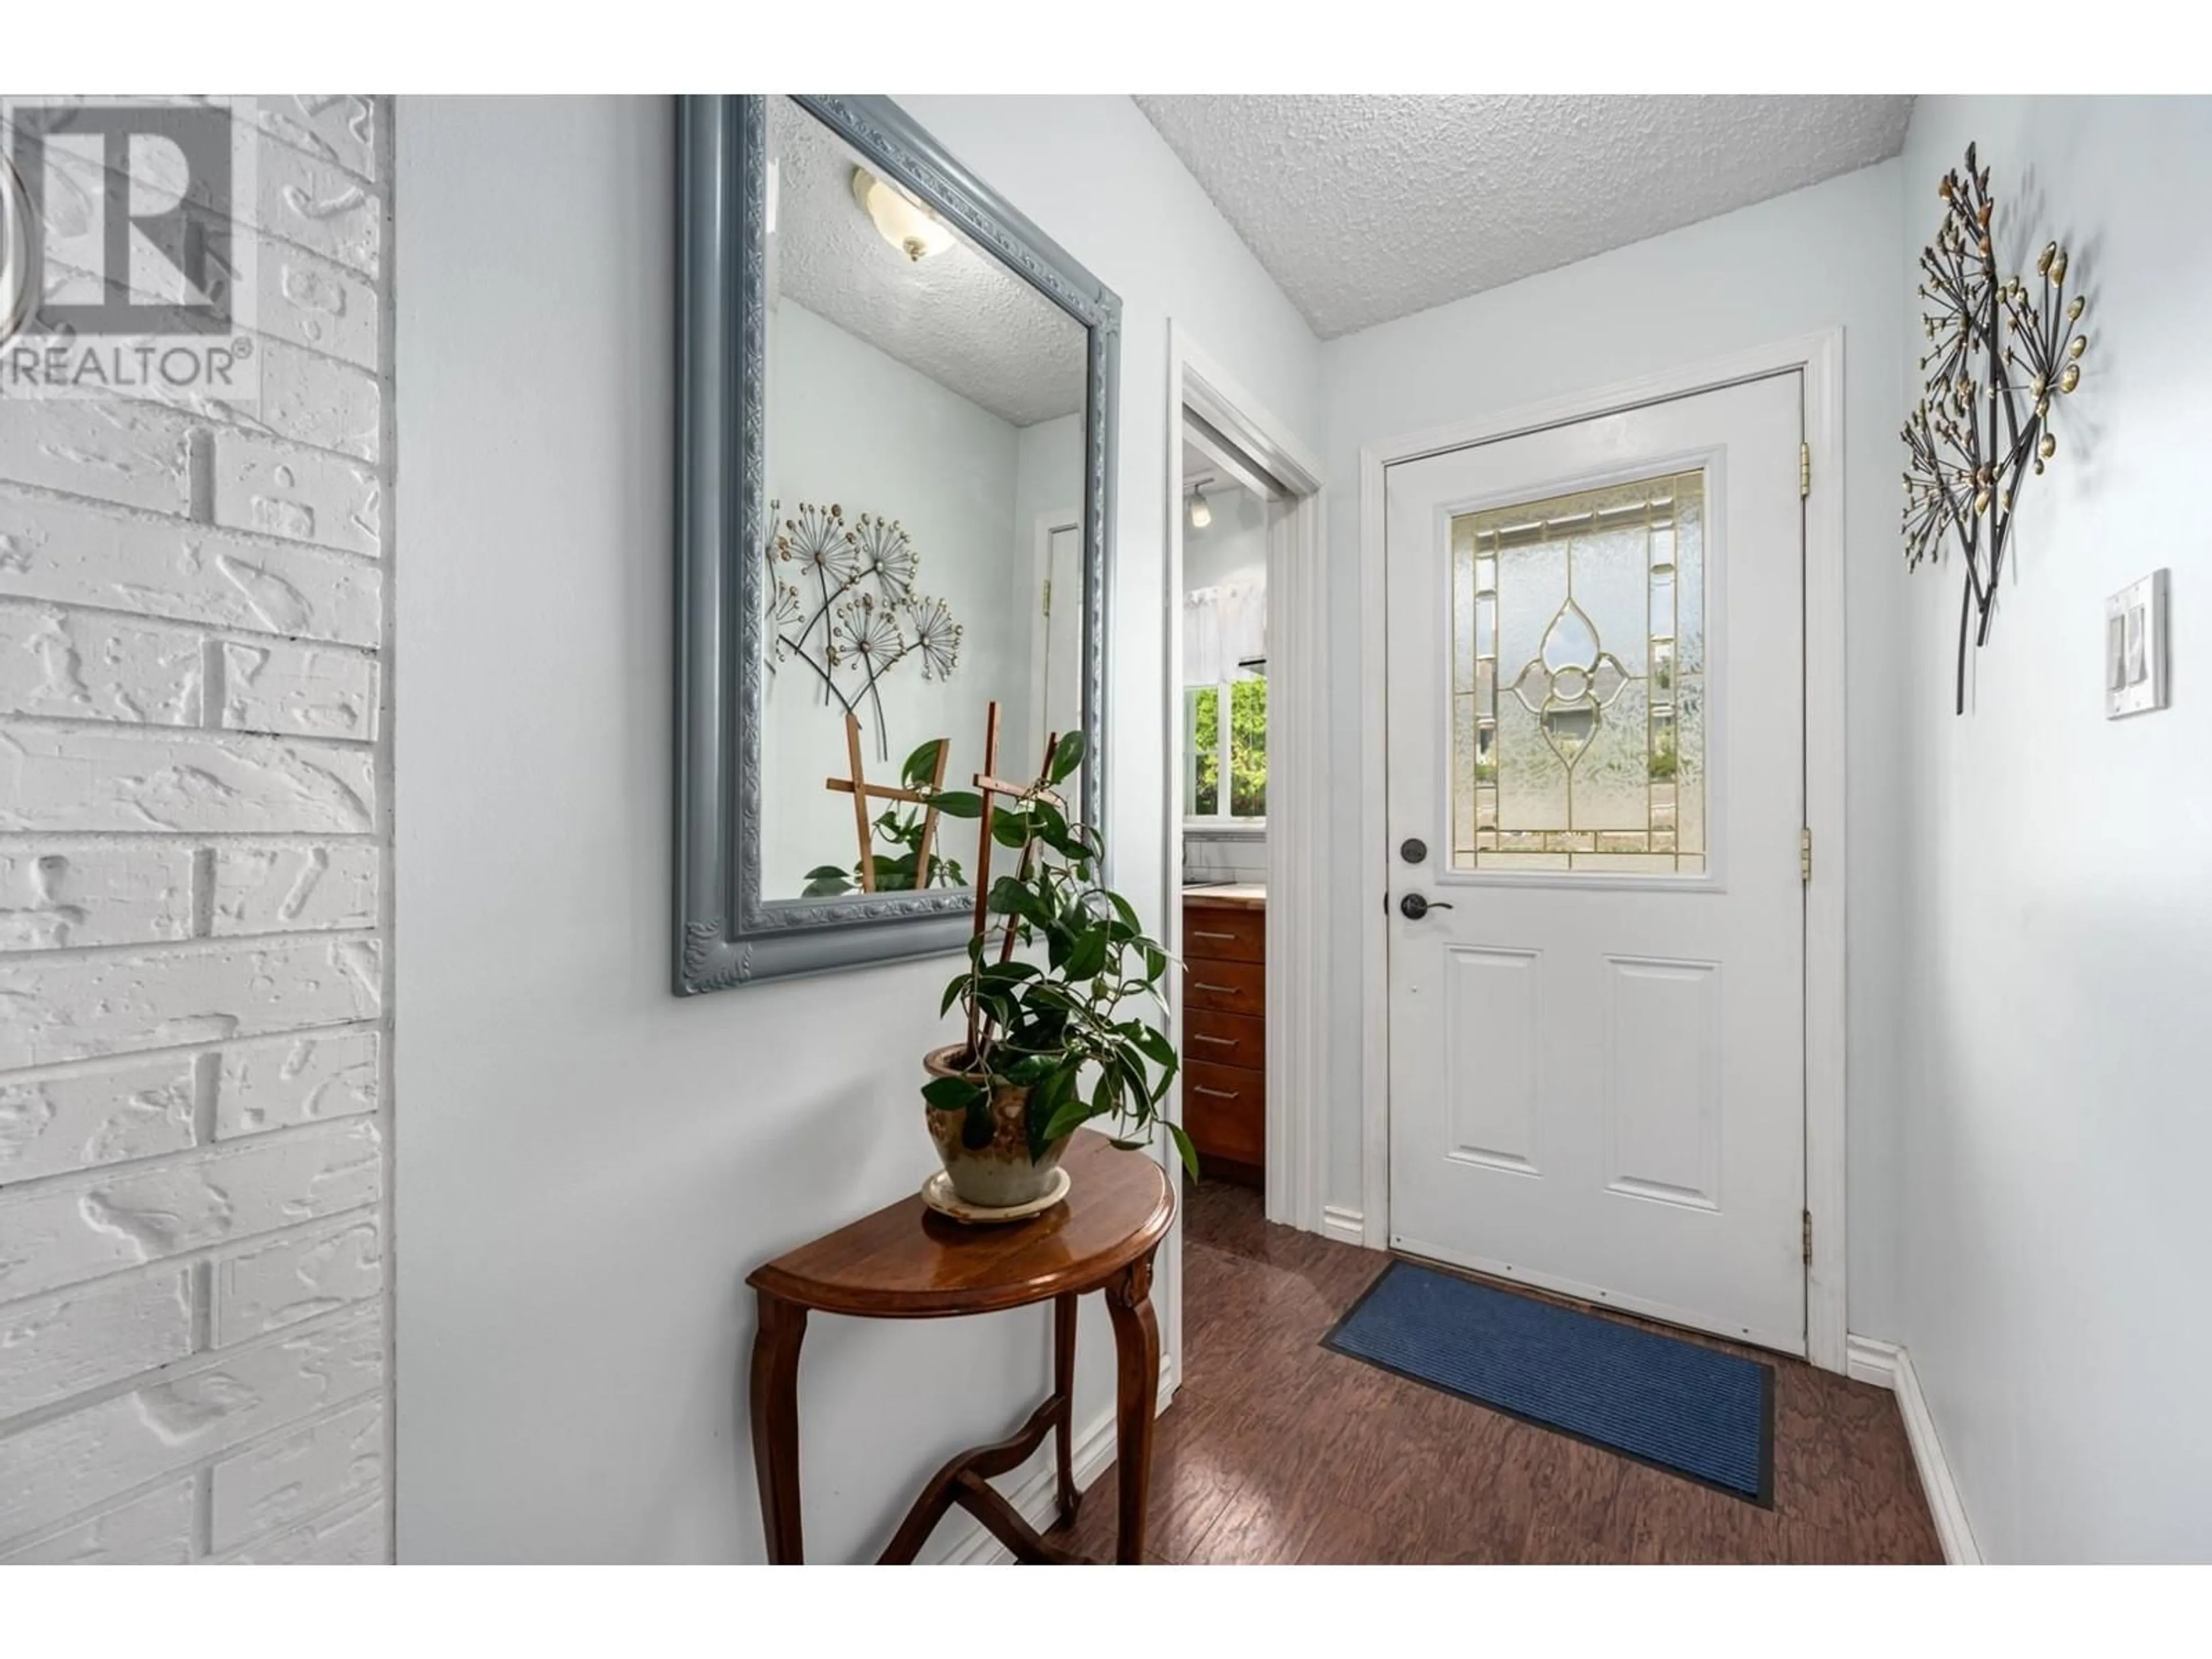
x: 1277, y: 1450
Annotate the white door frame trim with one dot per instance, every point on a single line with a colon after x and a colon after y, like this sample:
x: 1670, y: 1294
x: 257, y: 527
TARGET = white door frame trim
x: 1298, y: 789
x: 1820, y: 357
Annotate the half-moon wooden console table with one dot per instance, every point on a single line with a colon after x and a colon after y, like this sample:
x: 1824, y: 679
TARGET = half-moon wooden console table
x: 906, y: 1261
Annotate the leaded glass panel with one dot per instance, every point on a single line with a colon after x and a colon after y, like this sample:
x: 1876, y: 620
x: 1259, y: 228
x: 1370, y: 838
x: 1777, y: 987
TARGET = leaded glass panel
x: 1578, y: 665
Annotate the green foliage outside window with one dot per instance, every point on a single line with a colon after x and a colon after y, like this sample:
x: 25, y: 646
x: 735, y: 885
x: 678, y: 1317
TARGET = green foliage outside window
x: 1248, y: 749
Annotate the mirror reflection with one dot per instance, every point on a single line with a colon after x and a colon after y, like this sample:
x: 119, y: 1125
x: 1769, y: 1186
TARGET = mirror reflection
x: 924, y: 555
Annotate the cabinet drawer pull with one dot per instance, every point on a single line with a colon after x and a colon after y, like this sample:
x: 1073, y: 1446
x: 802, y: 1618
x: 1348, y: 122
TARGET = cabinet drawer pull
x: 1219, y: 990
x: 1195, y: 934
x: 1218, y: 1094
x: 1219, y: 1041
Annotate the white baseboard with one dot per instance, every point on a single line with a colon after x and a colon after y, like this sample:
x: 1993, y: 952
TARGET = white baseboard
x: 1886, y: 1366
x: 1346, y: 1226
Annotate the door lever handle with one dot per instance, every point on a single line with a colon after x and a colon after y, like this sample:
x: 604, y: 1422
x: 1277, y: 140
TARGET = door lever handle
x: 1413, y: 906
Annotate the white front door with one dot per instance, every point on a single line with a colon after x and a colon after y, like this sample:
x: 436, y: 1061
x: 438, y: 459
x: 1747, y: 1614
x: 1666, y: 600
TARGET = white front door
x: 1596, y: 785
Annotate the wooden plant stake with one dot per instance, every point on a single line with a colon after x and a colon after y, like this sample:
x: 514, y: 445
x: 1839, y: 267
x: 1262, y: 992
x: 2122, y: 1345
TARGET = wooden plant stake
x: 988, y: 785
x: 860, y: 803
x: 863, y: 792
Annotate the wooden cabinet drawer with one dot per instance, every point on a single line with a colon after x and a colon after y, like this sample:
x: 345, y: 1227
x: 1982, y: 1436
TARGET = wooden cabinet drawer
x: 1226, y: 988
x: 1226, y: 932
x: 1224, y: 1039
x: 1224, y: 1110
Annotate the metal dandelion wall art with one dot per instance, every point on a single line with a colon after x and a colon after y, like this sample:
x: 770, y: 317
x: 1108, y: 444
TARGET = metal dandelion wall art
x: 840, y: 599
x: 2000, y: 350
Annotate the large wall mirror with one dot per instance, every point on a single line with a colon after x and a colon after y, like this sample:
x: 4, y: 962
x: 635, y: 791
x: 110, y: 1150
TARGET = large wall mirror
x: 896, y: 402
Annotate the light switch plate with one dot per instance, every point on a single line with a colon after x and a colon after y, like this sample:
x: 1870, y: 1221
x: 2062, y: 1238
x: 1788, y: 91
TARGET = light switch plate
x: 2134, y: 647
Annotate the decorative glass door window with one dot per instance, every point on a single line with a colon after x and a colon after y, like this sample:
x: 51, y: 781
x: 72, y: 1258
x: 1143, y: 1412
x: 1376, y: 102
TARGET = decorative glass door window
x: 1578, y: 680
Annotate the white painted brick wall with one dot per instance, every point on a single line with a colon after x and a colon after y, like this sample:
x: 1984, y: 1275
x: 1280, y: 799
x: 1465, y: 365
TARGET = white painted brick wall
x: 67, y: 1344
x: 316, y: 691
x: 351, y: 1537
x: 194, y: 860
x: 276, y: 887
x: 200, y: 1409
x: 78, y: 1117
x: 81, y: 666
x: 283, y: 1483
x: 63, y: 893
x: 265, y: 1287
x: 154, y: 1530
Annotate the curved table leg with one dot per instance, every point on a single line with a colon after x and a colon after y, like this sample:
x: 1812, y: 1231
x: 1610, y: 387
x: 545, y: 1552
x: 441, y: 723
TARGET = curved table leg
x: 1137, y: 1392
x: 1063, y: 1385
x: 774, y: 1403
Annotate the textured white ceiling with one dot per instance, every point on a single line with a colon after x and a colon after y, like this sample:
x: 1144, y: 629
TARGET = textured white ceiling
x: 1367, y: 208
x: 959, y: 317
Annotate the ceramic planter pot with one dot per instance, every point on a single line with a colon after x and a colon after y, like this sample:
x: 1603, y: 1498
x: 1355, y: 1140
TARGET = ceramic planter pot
x: 1000, y: 1173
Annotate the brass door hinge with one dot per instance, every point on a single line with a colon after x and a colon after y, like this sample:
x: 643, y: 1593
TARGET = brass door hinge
x: 1805, y: 855
x: 1808, y: 1239
x: 1804, y: 470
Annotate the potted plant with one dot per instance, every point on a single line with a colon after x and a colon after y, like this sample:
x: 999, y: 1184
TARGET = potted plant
x: 1050, y: 1044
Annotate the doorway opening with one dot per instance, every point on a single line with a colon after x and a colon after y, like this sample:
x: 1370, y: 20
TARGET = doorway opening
x: 1245, y: 698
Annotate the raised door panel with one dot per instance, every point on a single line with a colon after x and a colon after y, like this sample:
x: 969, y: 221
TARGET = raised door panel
x: 1662, y: 1086
x: 1492, y: 1064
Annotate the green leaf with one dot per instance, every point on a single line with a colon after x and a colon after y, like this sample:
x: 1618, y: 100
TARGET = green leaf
x: 958, y: 804
x: 827, y: 886
x: 1182, y: 1144
x: 1154, y: 1043
x: 1067, y: 757
x: 952, y: 1094
x: 1088, y: 954
x: 1050, y: 1101
x: 951, y: 995
x: 1070, y: 1110
x: 921, y: 764
x: 1167, y: 1076
x: 1103, y: 1092
x: 1031, y: 1068
x: 1009, y: 829
x: 820, y: 870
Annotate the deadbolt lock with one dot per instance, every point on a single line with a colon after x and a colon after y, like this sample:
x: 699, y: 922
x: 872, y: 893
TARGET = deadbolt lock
x: 1413, y: 850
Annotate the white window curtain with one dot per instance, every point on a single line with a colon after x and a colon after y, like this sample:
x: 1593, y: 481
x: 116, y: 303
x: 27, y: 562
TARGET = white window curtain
x: 1221, y: 628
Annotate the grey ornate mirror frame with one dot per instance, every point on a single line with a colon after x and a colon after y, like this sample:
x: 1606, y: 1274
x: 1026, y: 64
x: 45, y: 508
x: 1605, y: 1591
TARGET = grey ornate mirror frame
x: 726, y: 935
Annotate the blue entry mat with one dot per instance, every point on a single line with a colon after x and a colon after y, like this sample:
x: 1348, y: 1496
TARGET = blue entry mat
x: 1677, y: 1406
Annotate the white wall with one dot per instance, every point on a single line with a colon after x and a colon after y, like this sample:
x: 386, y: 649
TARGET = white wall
x: 2053, y: 1101
x: 1233, y: 546
x: 852, y: 425
x: 1818, y: 258
x: 591, y: 1165
x: 194, y: 828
